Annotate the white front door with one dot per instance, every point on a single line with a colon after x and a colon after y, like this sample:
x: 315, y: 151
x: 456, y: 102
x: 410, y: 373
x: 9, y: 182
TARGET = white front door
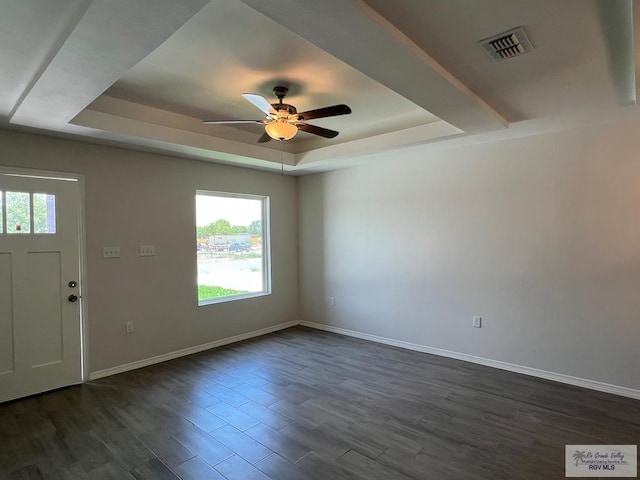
x: 40, y: 329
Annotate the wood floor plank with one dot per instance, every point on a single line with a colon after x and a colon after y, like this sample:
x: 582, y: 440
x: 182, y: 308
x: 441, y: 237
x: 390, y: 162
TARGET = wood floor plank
x: 166, y: 447
x: 236, y: 468
x: 245, y: 446
x: 322, y: 469
x: 318, y: 441
x: 227, y: 395
x: 287, y: 447
x: 197, y: 469
x: 265, y: 415
x: 130, y: 451
x: 204, y: 445
x: 278, y: 468
x: 200, y: 417
x: 154, y: 469
x: 75, y: 471
x: 370, y: 469
x: 30, y: 472
x: 111, y: 471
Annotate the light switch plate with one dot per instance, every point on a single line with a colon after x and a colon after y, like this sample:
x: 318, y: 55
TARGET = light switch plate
x: 110, y: 252
x: 147, y: 250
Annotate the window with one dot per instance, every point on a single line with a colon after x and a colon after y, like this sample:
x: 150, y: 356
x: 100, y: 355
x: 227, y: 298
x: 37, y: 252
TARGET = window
x: 232, y: 246
x: 25, y: 213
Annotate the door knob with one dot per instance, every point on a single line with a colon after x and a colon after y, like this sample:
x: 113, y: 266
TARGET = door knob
x: 72, y: 298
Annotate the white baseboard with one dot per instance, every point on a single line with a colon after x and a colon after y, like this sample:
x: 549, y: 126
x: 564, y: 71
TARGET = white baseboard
x: 534, y: 372
x: 188, y: 351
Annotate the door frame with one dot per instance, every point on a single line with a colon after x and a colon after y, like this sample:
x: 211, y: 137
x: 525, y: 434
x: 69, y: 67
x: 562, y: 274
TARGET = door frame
x: 82, y: 247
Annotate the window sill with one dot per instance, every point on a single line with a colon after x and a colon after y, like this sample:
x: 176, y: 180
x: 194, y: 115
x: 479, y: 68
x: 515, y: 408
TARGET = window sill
x: 214, y: 301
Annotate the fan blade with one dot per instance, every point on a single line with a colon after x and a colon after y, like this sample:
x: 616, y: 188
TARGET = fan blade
x: 222, y: 122
x: 325, y: 112
x: 259, y: 101
x: 264, y: 138
x: 323, y: 132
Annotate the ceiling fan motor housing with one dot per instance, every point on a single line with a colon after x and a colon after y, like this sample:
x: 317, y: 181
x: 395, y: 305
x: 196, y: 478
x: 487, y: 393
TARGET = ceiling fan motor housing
x: 280, y: 92
x: 284, y: 106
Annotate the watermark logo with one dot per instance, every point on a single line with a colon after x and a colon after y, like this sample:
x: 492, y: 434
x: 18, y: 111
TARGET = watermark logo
x: 601, y: 461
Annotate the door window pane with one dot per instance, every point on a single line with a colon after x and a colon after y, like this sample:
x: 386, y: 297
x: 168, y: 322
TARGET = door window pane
x: 18, y: 212
x: 44, y: 213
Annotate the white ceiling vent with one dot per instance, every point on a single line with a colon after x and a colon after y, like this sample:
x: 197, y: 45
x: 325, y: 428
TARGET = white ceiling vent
x: 507, y: 44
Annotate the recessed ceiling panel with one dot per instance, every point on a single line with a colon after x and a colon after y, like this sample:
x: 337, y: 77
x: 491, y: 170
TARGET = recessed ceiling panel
x: 228, y: 49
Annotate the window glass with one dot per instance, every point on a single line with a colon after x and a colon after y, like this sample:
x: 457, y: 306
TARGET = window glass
x: 231, y: 246
x: 18, y: 210
x: 44, y: 213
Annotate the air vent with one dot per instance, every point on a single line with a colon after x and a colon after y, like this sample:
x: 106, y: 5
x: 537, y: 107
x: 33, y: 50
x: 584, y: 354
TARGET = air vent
x: 509, y: 44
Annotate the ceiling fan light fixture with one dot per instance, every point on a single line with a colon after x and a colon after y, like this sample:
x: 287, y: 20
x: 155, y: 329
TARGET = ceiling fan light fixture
x: 281, y: 129
x: 283, y: 121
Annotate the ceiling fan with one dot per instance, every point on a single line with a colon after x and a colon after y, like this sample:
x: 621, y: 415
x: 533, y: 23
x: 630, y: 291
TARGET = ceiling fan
x: 283, y: 120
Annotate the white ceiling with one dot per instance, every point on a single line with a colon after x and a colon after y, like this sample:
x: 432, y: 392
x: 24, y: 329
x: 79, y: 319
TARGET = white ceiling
x: 145, y: 73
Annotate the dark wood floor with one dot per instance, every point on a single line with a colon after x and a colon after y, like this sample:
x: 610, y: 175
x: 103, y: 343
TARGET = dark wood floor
x: 302, y: 404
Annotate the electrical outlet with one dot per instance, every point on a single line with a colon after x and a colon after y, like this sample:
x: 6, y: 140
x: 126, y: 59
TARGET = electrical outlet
x: 147, y: 250
x: 332, y: 301
x: 110, y: 252
x: 129, y: 328
x: 477, y: 322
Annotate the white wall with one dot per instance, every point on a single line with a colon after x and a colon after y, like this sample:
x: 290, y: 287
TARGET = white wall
x: 540, y: 236
x: 135, y: 198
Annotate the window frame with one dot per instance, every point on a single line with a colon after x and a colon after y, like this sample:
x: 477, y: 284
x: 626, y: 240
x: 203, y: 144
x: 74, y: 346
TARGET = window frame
x: 266, y: 246
x: 4, y: 212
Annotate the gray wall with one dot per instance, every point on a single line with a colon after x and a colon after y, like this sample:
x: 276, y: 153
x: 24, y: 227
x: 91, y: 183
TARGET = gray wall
x: 540, y: 236
x: 135, y: 198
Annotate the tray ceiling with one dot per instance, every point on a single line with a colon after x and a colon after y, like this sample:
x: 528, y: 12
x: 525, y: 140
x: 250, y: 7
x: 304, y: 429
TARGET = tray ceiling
x: 144, y: 74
